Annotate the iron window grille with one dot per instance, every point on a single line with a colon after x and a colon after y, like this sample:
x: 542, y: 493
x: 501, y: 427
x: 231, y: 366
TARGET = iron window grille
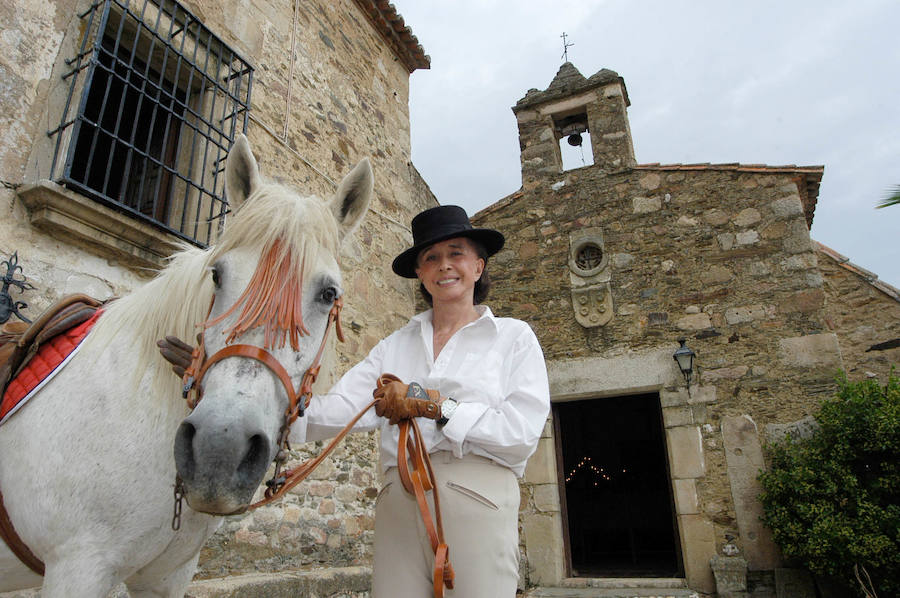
x: 154, y: 102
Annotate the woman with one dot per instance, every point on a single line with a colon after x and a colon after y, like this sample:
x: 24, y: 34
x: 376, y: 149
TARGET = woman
x: 490, y: 382
x: 488, y: 402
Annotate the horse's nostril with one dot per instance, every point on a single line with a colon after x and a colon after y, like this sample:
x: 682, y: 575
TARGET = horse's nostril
x: 185, y: 463
x: 255, y: 459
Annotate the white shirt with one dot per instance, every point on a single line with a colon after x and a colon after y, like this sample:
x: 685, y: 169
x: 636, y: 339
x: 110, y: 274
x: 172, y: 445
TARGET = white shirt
x: 493, y: 367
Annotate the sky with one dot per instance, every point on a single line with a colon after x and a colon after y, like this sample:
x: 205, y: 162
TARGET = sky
x: 791, y: 82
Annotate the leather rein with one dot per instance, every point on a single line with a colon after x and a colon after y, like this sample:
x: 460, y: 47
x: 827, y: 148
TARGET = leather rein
x: 416, y: 479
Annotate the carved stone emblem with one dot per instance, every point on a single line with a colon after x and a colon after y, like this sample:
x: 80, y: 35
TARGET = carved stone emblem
x: 593, y: 305
x: 589, y: 276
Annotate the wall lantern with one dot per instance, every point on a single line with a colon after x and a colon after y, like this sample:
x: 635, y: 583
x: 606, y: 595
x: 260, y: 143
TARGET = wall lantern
x: 684, y: 356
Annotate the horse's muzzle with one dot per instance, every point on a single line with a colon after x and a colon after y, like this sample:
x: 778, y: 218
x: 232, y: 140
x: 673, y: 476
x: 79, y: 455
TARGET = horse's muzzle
x: 220, y: 466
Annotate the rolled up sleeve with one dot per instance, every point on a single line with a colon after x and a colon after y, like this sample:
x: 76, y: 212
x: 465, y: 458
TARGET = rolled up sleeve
x: 505, y: 428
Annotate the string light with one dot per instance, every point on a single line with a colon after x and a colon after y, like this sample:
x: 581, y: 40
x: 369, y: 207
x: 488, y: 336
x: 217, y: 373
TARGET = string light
x: 600, y: 473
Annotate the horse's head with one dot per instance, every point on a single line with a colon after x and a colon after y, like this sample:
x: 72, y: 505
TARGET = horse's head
x: 276, y: 278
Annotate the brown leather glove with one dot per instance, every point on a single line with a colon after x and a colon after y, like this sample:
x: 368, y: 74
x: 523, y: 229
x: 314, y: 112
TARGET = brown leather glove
x: 176, y: 352
x: 398, y: 401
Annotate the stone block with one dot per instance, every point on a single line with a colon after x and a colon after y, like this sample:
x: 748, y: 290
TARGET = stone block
x: 544, y: 548
x: 644, y: 205
x: 715, y: 274
x: 595, y: 376
x: 801, y: 261
x: 649, y: 181
x: 798, y: 239
x: 715, y: 217
x: 685, y: 452
x: 669, y: 398
x: 800, y: 429
x: 744, y: 462
x: 729, y: 373
x: 677, y: 416
x: 787, y: 207
x: 698, y: 546
x: 747, y: 217
x: 546, y: 498
x: 686, y: 502
x: 541, y: 466
x: 726, y: 240
x: 806, y: 302
x: 794, y: 583
x: 814, y: 350
x: 694, y: 322
x: 731, y: 576
x: 621, y: 261
x: 702, y: 394
x: 745, y: 313
x: 747, y: 237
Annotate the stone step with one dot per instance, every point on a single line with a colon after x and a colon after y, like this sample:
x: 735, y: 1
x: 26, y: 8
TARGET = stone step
x: 581, y: 587
x: 335, y: 582
x: 620, y: 592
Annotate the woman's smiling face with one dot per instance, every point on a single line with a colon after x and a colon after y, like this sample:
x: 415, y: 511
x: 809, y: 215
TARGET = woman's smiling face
x: 449, y: 270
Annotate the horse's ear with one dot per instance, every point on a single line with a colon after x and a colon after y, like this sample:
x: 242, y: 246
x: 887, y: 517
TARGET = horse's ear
x: 351, y: 200
x: 241, y: 173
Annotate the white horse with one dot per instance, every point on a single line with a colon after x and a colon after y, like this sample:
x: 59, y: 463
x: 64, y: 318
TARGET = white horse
x: 86, y: 467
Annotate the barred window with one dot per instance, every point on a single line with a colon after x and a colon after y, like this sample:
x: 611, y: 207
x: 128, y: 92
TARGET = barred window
x: 154, y: 103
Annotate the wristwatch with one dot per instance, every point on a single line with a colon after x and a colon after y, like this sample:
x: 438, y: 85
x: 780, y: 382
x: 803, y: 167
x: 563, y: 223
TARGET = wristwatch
x: 448, y: 406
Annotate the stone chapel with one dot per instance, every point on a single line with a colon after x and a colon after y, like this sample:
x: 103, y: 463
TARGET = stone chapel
x: 643, y: 471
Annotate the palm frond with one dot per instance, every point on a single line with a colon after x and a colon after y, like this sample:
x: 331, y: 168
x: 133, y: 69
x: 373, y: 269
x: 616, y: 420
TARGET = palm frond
x: 891, y: 199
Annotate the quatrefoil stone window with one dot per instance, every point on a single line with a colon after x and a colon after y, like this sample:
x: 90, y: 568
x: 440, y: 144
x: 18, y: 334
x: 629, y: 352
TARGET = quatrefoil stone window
x: 587, y: 258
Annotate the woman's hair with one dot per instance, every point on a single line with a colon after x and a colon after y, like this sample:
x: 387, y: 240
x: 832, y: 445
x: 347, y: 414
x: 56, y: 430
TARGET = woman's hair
x: 482, y: 285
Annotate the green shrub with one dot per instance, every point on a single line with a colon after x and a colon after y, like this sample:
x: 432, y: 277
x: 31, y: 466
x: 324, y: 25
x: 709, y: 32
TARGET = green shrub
x: 833, y: 500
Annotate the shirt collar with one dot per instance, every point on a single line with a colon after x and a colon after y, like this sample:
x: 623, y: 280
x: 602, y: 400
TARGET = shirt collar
x: 486, y: 318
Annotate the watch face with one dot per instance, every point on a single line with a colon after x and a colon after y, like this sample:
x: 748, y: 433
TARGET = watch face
x: 447, y: 409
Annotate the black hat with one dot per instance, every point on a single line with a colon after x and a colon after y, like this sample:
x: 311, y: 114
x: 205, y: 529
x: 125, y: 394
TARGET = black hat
x: 439, y: 224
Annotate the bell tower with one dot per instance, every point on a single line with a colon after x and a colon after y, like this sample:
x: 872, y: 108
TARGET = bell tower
x: 570, y: 107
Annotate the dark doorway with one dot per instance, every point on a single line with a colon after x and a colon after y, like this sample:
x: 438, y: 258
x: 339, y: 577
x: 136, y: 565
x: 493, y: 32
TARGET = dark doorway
x: 615, y: 488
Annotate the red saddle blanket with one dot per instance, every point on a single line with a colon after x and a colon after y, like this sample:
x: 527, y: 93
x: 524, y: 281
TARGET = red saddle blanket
x: 47, y: 362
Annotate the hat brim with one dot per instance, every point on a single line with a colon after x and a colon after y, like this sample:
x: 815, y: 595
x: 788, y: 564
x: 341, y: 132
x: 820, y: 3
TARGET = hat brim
x: 405, y: 264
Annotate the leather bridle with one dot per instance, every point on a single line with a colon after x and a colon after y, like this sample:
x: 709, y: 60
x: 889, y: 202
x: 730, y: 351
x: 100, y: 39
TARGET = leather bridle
x: 298, y: 400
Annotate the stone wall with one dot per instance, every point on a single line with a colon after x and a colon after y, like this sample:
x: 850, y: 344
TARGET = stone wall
x: 342, y: 95
x: 718, y: 255
x: 865, y: 314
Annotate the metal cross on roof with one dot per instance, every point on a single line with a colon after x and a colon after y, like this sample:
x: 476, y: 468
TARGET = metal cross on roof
x: 566, y: 46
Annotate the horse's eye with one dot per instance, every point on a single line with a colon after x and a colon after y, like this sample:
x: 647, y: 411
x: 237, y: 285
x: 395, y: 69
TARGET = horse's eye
x: 329, y: 294
x: 215, y: 276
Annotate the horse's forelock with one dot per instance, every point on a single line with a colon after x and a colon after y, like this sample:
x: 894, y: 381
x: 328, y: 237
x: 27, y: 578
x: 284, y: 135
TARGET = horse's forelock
x: 291, y: 245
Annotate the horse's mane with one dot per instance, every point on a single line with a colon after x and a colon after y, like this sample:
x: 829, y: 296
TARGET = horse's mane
x: 274, y: 220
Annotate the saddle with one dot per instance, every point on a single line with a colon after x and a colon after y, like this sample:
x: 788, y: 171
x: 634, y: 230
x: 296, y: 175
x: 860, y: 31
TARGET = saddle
x: 19, y: 341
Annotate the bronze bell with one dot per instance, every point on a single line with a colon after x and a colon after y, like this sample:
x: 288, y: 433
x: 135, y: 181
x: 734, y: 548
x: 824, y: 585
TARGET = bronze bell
x: 574, y: 139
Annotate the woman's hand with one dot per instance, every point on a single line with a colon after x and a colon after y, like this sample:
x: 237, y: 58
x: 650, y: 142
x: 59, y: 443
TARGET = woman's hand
x: 398, y: 401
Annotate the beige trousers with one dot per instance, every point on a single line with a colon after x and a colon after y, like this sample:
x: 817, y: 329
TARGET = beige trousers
x: 480, y: 510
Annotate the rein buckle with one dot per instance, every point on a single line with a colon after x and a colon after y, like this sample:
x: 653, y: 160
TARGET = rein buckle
x: 188, y: 385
